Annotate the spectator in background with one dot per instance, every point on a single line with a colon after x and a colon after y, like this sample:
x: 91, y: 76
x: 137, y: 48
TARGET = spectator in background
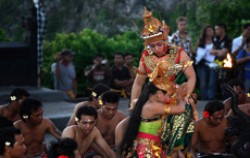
x: 98, y: 72
x: 64, y: 147
x: 239, y: 42
x: 181, y: 37
x: 12, y: 109
x: 121, y: 78
x: 206, y: 68
x: 11, y: 143
x: 244, y: 58
x: 222, y: 46
x: 129, y: 61
x: 34, y: 127
x: 65, y: 75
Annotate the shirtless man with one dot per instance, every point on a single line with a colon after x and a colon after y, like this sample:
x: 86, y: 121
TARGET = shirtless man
x: 34, y: 127
x: 120, y: 131
x: 243, y: 107
x: 85, y: 133
x: 238, y: 87
x: 11, y: 143
x: 209, y: 134
x: 12, y: 109
x: 109, y: 116
x: 98, y: 89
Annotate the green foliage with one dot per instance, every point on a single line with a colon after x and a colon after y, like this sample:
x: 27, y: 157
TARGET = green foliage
x: 231, y: 12
x: 3, y: 36
x: 85, y: 45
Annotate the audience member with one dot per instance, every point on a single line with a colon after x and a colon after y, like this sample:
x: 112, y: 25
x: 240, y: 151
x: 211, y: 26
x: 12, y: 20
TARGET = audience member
x: 243, y: 107
x: 34, y: 127
x: 12, y: 109
x: 129, y: 63
x: 93, y: 100
x: 209, y: 138
x: 206, y: 68
x: 121, y: 78
x: 98, y: 72
x: 181, y: 37
x: 244, y: 58
x: 239, y: 42
x: 109, y: 116
x: 222, y: 47
x: 11, y: 143
x: 85, y: 133
x: 239, y: 88
x: 65, y: 75
x: 120, y: 130
x: 64, y: 148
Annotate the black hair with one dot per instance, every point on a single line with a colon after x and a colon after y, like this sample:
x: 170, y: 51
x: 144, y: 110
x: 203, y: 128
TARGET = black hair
x: 248, y: 40
x: 222, y: 25
x: 181, y: 18
x: 86, y: 110
x: 29, y: 106
x: 5, y: 122
x: 245, y: 26
x: 213, y: 106
x: 98, y: 55
x: 65, y: 146
x: 236, y: 82
x: 135, y: 119
x: 119, y: 53
x: 110, y: 97
x: 99, y: 89
x: 128, y: 54
x: 19, y: 93
x: 7, y: 134
x: 202, y: 39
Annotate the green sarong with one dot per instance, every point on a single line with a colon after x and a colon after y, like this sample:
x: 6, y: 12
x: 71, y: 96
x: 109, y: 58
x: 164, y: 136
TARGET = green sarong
x: 177, y: 131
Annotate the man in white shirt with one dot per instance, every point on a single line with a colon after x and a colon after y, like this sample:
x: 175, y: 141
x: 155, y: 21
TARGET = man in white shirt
x: 239, y: 42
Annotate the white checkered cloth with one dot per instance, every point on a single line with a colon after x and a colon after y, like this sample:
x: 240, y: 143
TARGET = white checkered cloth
x: 41, y: 28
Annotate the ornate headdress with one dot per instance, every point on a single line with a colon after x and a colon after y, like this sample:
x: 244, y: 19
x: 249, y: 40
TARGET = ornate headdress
x: 153, y: 29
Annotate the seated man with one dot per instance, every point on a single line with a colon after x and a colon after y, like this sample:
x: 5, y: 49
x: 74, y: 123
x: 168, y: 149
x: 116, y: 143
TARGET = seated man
x: 11, y: 143
x: 64, y: 147
x: 243, y: 107
x: 34, y: 127
x: 85, y: 133
x: 12, y: 109
x: 109, y: 116
x: 120, y: 131
x: 239, y: 88
x: 92, y: 101
x: 209, y: 135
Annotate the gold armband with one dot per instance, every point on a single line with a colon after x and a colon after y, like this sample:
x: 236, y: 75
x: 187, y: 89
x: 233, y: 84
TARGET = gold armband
x: 167, y: 109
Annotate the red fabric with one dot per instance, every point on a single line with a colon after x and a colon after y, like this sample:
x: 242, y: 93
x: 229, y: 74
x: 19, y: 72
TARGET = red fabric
x: 149, y: 136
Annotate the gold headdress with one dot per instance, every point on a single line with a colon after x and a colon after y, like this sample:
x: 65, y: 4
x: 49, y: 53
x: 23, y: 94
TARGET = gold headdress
x: 153, y: 29
x: 163, y: 73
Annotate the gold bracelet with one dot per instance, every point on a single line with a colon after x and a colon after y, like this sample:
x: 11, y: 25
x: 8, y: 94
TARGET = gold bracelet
x: 167, y: 109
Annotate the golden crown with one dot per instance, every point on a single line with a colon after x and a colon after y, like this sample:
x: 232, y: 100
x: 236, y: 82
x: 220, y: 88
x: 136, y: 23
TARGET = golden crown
x: 153, y: 29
